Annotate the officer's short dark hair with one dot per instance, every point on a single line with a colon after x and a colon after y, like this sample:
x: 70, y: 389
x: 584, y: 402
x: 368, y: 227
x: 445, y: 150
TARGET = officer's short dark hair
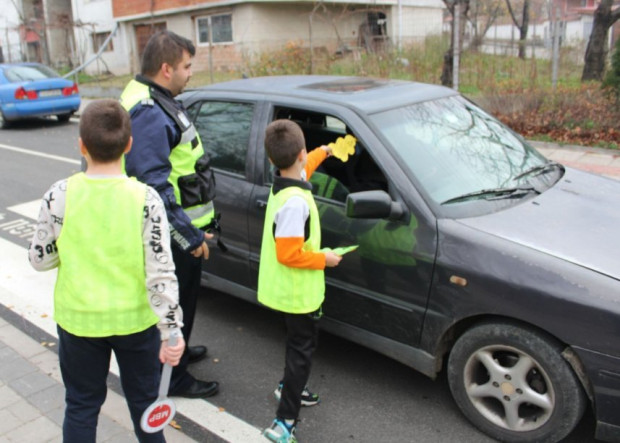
x: 284, y: 140
x: 105, y: 129
x: 164, y: 47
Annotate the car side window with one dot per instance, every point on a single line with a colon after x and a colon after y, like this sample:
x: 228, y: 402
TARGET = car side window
x: 333, y: 179
x: 224, y: 129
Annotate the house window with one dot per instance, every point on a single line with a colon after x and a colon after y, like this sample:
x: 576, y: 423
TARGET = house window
x: 99, y: 39
x: 221, y: 29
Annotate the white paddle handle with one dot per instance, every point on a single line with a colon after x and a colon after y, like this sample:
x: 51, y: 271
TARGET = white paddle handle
x: 164, y: 383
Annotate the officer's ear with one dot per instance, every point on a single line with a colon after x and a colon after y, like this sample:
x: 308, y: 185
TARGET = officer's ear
x: 128, y: 147
x: 166, y: 70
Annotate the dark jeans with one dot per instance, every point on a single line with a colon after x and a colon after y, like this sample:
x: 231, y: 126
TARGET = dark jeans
x: 188, y: 272
x: 84, y: 365
x: 302, y: 331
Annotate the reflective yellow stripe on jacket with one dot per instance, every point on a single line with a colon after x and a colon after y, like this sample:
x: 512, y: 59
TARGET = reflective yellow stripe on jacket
x: 183, y: 157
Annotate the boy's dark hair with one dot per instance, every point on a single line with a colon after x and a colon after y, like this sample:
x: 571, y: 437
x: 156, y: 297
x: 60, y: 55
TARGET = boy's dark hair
x: 164, y: 47
x: 284, y: 140
x: 105, y: 129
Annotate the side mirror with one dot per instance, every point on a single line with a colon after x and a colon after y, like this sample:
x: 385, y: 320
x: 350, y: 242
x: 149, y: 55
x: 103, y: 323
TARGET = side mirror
x: 373, y: 204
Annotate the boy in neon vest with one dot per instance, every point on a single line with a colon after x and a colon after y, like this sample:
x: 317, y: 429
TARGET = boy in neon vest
x: 116, y: 290
x: 291, y: 277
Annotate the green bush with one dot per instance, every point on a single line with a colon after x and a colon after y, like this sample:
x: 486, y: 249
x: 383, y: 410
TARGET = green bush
x: 612, y: 79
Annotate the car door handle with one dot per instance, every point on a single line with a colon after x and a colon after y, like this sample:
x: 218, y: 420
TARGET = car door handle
x: 261, y: 204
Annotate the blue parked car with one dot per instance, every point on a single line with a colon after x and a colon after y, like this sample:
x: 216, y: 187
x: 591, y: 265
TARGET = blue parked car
x: 33, y: 90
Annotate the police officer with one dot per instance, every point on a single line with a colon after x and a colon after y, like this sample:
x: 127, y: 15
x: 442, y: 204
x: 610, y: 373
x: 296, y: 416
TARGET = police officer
x: 167, y: 154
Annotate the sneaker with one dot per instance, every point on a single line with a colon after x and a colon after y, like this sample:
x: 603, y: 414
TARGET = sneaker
x: 280, y: 432
x: 307, y: 397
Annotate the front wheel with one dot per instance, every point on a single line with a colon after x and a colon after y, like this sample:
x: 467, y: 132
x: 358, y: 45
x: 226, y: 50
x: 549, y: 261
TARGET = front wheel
x: 63, y: 118
x: 514, y: 385
x: 4, y: 123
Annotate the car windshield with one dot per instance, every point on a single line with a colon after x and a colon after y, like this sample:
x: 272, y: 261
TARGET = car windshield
x: 459, y: 153
x: 23, y: 73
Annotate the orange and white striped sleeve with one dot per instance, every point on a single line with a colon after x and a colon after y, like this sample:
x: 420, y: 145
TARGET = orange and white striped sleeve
x: 290, y: 234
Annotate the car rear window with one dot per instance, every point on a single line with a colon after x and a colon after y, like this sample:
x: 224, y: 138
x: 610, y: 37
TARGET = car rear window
x: 28, y: 73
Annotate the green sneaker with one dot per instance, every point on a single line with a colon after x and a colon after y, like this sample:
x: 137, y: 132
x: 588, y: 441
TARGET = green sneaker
x: 280, y: 432
x: 307, y: 397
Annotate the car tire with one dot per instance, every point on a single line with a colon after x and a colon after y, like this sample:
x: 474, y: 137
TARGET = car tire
x: 64, y: 118
x: 4, y: 123
x: 513, y: 384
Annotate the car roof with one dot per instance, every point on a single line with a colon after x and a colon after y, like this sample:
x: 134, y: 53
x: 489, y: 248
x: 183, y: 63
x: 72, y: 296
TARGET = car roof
x: 364, y: 93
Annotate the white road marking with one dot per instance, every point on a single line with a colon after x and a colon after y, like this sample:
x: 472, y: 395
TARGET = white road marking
x: 29, y: 209
x: 30, y: 294
x: 40, y: 154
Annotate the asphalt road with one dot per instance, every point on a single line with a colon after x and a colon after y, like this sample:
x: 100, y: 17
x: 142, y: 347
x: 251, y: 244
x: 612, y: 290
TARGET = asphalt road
x: 366, y: 397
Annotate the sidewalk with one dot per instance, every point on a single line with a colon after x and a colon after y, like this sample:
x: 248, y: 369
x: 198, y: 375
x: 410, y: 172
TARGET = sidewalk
x: 32, y: 396
x: 596, y: 160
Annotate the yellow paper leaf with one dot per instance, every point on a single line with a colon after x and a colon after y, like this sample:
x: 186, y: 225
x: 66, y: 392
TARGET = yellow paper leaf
x: 343, y: 147
x: 174, y: 424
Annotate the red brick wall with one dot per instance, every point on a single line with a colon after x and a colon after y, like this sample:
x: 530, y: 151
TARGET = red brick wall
x: 121, y: 8
x: 225, y: 57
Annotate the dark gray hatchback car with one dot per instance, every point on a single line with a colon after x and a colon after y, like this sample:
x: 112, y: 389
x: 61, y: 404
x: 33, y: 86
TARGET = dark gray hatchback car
x: 476, y: 254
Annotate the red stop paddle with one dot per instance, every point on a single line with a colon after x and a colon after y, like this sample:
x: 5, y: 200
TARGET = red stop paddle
x: 161, y: 411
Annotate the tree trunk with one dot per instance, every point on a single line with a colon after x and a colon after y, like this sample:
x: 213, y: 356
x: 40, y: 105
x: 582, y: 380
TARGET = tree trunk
x: 525, y: 23
x: 447, y: 70
x: 523, y: 27
x: 448, y: 58
x: 596, y: 51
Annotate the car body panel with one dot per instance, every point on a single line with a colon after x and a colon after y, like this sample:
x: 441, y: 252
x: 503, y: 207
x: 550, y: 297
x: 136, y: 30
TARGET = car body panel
x: 576, y: 220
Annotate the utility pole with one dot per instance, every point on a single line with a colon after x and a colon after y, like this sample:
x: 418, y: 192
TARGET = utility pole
x: 210, y: 48
x: 455, y: 46
x: 556, y: 45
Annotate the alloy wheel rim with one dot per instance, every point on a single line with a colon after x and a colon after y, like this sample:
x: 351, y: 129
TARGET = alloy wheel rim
x: 509, y: 388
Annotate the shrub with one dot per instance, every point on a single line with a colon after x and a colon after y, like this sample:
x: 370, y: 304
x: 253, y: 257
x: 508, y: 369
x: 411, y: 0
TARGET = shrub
x: 580, y: 115
x: 612, y: 79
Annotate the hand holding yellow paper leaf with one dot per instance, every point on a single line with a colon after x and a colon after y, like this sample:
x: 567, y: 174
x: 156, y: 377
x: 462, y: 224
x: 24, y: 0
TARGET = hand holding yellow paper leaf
x: 343, y: 147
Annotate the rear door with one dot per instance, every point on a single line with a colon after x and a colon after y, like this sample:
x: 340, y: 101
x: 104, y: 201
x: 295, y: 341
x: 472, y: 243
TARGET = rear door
x: 228, y: 130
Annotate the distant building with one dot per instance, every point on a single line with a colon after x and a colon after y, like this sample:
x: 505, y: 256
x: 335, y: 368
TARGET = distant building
x: 9, y: 32
x: 37, y: 30
x: 228, y: 32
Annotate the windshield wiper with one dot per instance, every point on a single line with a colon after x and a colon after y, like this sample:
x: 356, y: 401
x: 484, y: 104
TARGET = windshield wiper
x: 496, y: 193
x: 538, y: 169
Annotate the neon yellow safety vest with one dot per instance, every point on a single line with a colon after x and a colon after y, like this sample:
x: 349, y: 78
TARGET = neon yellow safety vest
x: 100, y: 289
x: 280, y: 287
x: 187, y: 158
